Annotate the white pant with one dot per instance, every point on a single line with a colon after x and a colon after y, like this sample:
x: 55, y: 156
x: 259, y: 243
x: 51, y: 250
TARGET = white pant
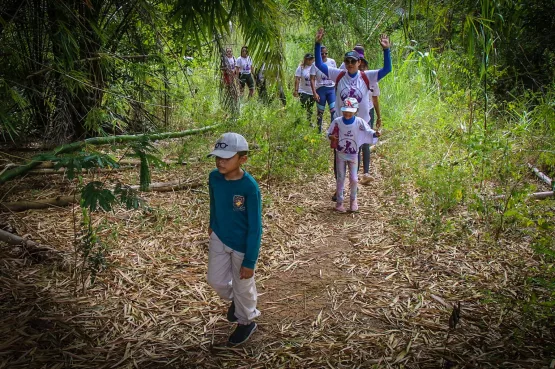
x: 342, y: 162
x: 224, y: 265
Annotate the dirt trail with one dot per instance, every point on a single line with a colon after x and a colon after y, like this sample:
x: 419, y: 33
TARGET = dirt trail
x: 361, y: 293
x: 336, y: 290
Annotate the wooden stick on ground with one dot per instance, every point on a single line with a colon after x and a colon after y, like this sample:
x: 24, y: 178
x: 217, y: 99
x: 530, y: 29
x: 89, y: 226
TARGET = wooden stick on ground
x: 31, y: 246
x: 49, y: 171
x: 61, y: 201
x: 540, y: 175
x: 536, y: 195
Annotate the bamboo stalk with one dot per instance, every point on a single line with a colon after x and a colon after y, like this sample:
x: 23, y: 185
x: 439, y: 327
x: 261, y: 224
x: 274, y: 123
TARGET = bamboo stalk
x: 48, y: 171
x: 18, y: 171
x: 535, y: 195
x: 540, y: 175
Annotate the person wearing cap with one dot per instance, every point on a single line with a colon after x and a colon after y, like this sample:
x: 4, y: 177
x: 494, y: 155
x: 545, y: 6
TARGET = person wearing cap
x: 374, y: 106
x: 243, y: 68
x: 235, y: 233
x: 347, y: 134
x: 351, y: 82
x: 360, y: 50
x: 303, y: 88
x: 323, y: 88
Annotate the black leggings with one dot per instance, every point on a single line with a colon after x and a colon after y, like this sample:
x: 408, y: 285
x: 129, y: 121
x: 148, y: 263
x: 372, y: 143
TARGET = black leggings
x: 307, y: 101
x: 365, y: 149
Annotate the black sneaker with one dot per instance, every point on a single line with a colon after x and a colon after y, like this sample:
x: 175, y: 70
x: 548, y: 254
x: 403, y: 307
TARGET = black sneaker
x: 231, y: 313
x: 242, y: 333
x: 334, y: 197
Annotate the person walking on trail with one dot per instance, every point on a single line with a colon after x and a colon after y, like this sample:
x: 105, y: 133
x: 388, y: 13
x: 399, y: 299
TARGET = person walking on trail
x: 235, y: 233
x: 351, y: 82
x: 230, y: 59
x: 228, y: 72
x: 303, y: 89
x: 243, y: 68
x: 364, y: 151
x: 323, y: 88
x: 347, y: 134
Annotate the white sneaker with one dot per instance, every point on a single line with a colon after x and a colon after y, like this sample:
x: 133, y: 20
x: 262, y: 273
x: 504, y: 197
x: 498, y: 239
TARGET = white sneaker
x: 366, y: 179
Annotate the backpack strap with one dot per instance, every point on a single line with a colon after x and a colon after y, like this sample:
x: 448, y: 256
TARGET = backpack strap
x: 366, y: 80
x: 339, y: 76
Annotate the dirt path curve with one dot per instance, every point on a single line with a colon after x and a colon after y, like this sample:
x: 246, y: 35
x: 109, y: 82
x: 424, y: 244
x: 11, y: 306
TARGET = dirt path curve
x: 316, y: 304
x: 366, y: 290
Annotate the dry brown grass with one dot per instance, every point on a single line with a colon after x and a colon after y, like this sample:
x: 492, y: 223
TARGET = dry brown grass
x: 336, y: 290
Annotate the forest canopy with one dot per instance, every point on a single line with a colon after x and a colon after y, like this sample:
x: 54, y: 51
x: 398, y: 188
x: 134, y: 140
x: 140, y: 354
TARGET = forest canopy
x: 75, y: 69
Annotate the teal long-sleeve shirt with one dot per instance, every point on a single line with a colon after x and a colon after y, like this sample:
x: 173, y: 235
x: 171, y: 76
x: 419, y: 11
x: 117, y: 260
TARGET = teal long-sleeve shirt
x: 236, y: 214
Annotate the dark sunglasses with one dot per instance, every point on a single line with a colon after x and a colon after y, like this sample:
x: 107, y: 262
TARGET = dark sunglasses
x: 350, y: 61
x: 220, y: 145
x: 324, y: 53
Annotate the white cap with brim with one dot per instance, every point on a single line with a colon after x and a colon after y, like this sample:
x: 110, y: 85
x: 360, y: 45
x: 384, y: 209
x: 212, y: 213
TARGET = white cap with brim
x: 350, y: 104
x: 228, y: 145
x: 352, y: 110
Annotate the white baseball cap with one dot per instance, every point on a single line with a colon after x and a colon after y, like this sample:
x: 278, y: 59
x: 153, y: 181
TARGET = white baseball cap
x: 350, y: 104
x: 228, y: 145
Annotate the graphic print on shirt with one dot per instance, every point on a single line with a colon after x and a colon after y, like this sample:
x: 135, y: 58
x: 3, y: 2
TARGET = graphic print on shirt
x: 351, y: 91
x: 347, y: 144
x: 238, y: 203
x: 244, y: 64
x: 304, y: 74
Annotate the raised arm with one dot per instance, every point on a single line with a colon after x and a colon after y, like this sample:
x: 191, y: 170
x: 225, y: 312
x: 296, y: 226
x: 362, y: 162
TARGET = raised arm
x: 317, y: 52
x: 387, y: 67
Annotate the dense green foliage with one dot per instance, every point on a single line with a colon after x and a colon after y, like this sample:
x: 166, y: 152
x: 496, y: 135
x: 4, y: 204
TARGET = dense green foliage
x: 79, y: 68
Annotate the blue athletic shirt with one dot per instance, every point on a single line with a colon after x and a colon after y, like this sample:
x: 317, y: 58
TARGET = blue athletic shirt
x: 236, y: 214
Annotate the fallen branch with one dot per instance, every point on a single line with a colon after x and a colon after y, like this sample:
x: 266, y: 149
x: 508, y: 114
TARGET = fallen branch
x: 48, y: 171
x: 59, y: 201
x: 30, y: 246
x: 536, y: 195
x: 111, y: 140
x: 50, y: 164
x: 540, y: 175
x: 62, y: 201
x: 170, y: 186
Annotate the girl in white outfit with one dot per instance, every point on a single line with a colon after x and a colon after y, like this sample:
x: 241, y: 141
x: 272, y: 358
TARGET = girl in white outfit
x: 347, y: 134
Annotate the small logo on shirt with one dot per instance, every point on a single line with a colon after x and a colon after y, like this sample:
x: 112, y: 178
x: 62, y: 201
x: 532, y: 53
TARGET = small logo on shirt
x: 238, y: 203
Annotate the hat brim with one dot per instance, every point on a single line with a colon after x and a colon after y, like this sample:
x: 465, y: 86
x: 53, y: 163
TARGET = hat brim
x: 351, y: 110
x: 222, y: 154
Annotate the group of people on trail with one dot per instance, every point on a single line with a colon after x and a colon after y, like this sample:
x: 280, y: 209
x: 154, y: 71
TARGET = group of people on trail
x: 356, y: 86
x: 240, y: 68
x: 235, y: 202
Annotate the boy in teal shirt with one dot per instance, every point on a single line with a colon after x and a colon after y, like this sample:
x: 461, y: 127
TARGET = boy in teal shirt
x: 235, y: 232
